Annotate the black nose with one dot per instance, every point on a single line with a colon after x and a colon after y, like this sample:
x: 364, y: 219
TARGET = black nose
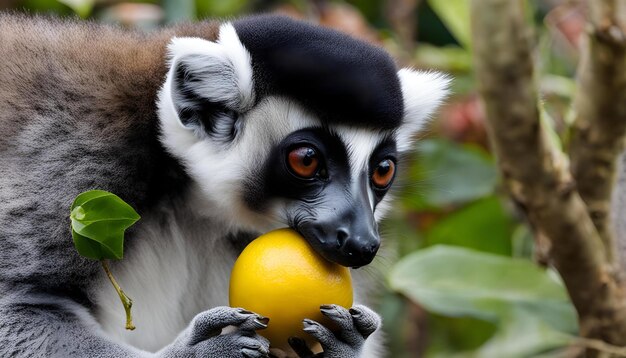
x: 360, y: 248
x: 355, y: 245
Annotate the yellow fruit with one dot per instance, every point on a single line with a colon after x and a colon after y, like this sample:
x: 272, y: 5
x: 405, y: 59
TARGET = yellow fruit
x: 280, y: 276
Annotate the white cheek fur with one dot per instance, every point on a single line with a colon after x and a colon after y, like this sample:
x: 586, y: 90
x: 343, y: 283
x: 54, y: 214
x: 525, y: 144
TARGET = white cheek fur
x: 219, y: 172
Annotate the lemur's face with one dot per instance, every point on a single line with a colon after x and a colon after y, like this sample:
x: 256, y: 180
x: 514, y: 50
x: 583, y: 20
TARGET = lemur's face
x: 276, y: 132
x: 325, y: 181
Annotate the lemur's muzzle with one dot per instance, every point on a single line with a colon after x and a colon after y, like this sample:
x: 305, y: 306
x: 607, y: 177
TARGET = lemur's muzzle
x: 347, y: 235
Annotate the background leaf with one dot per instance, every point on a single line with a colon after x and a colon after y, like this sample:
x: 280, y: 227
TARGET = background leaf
x: 82, y: 8
x: 449, y: 58
x: 455, y: 15
x: 522, y: 335
x: 220, y: 8
x: 524, y: 300
x: 483, y: 225
x: 448, y: 174
x: 488, y: 284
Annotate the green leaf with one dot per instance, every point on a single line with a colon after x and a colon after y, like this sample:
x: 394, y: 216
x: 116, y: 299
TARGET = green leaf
x: 89, y: 248
x: 81, y: 7
x: 87, y: 196
x: 557, y: 85
x: 449, y: 58
x: 483, y: 225
x: 454, y: 334
x: 522, y: 335
x: 446, y: 173
x: 221, y: 8
x: 456, y: 282
x: 529, y: 305
x: 99, y: 220
x: 523, y: 242
x: 455, y: 14
x: 547, y: 123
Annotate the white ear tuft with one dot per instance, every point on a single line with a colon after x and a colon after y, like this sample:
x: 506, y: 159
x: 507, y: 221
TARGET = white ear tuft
x: 423, y: 92
x: 241, y: 62
x: 202, y: 72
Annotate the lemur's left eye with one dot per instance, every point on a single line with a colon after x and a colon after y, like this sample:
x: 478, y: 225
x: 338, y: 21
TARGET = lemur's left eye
x: 383, y: 174
x: 303, y: 161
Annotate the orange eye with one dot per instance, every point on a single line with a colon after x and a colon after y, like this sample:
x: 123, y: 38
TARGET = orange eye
x: 303, y: 161
x: 383, y: 175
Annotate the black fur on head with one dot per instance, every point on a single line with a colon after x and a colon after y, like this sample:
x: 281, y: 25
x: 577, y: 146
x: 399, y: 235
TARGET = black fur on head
x: 340, y: 79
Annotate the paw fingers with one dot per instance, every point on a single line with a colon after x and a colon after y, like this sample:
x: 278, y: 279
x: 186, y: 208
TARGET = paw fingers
x: 365, y: 320
x: 210, y: 323
x: 319, y: 332
x: 339, y: 315
x: 254, y: 347
x: 342, y: 317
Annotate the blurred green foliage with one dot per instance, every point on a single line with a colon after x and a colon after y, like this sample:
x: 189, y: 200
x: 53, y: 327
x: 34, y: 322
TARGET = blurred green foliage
x: 461, y: 277
x: 452, y: 174
x: 528, y: 304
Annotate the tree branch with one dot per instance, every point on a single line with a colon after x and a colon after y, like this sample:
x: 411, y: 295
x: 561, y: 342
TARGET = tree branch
x: 600, y: 104
x: 536, y: 173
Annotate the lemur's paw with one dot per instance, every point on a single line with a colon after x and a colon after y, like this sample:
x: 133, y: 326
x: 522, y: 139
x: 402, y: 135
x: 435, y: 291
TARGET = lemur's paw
x: 206, y: 337
x: 355, y: 325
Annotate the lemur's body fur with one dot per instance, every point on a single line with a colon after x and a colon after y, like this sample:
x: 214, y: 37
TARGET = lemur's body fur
x: 78, y: 111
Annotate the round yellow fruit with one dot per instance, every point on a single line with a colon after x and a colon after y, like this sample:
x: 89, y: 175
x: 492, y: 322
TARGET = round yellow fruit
x: 281, y: 277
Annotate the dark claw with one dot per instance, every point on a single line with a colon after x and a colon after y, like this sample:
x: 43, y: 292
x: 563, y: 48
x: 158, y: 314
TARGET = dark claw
x: 242, y: 311
x: 262, y: 322
x: 330, y: 311
x: 354, y: 311
x: 309, y: 325
x: 253, y: 346
x: 309, y: 322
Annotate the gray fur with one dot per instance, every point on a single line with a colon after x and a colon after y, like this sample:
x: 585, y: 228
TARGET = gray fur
x: 40, y: 325
x: 76, y: 113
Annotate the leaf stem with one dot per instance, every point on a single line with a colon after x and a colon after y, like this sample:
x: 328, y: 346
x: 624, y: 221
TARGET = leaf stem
x: 126, y: 301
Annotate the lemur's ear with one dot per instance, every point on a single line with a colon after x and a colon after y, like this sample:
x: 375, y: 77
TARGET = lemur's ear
x: 423, y: 92
x: 210, y: 82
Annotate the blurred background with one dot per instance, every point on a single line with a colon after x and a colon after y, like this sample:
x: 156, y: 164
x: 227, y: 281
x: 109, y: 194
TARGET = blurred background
x: 461, y: 276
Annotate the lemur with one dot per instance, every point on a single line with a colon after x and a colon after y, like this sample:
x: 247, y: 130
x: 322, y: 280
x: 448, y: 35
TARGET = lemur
x: 215, y: 132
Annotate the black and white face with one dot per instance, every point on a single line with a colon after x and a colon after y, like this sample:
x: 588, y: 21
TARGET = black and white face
x: 329, y: 187
x: 264, y: 159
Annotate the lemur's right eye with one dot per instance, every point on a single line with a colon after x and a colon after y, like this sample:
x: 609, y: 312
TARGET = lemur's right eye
x: 384, y: 173
x: 303, y: 161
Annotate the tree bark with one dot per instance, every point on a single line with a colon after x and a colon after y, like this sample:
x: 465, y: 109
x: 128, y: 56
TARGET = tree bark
x: 536, y: 173
x: 600, y: 106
